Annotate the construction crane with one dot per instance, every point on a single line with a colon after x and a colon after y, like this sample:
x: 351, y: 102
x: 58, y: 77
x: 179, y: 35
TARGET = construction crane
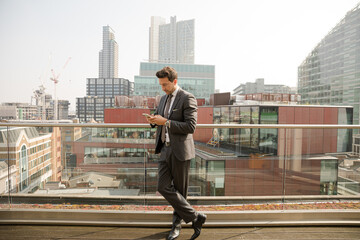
x: 55, y: 79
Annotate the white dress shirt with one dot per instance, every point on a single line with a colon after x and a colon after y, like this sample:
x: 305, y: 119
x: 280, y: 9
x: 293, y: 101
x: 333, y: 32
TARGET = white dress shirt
x: 173, y: 97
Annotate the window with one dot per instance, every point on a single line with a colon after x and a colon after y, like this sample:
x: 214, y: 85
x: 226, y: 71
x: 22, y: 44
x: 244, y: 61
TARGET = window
x: 23, y: 159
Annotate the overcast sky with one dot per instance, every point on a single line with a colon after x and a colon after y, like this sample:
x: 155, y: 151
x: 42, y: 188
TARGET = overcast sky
x: 245, y: 40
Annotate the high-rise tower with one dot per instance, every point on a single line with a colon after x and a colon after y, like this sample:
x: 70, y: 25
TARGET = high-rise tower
x: 108, y: 56
x: 154, y: 38
x: 101, y: 92
x: 330, y: 74
x: 172, y: 42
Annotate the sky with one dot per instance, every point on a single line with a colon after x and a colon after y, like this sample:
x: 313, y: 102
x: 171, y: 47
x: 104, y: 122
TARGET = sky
x: 245, y: 40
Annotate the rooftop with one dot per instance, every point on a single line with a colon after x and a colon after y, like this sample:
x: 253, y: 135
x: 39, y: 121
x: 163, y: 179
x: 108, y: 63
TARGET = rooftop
x: 111, y: 232
x: 14, y: 133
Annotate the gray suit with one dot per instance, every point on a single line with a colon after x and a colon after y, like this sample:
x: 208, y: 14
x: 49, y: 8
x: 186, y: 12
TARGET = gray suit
x: 174, y: 162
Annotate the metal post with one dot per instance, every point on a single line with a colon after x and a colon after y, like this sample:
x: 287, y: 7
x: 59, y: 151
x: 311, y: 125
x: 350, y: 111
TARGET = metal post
x: 284, y: 169
x: 145, y: 167
x: 8, y: 150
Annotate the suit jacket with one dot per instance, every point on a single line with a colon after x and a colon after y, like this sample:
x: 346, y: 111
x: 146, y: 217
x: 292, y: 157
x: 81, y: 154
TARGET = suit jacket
x: 183, y: 116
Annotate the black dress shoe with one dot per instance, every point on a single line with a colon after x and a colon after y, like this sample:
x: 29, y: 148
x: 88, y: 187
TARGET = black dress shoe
x: 197, y: 225
x: 175, y: 229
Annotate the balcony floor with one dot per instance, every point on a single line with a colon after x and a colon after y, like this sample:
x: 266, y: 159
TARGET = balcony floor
x: 15, y: 232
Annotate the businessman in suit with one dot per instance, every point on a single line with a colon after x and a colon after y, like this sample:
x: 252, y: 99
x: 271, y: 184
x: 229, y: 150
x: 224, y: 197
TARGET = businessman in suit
x: 175, y: 119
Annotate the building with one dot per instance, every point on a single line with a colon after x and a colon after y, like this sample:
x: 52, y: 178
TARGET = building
x: 109, y: 87
x: 68, y: 136
x: 27, y: 111
x: 56, y: 146
x: 92, y: 108
x: 225, y: 157
x: 220, y: 98
x: 154, y: 38
x: 63, y: 109
x: 258, y: 157
x: 137, y: 102
x: 127, y: 154
x: 101, y: 92
x: 265, y: 98
x: 126, y: 115
x: 330, y: 74
x: 31, y: 153
x: 356, y: 145
x: 24, y: 111
x: 7, y: 177
x: 42, y: 101
x: 260, y: 87
x: 266, y: 140
x: 46, y: 106
x: 8, y: 113
x: 92, y: 184
x: 195, y: 78
x: 172, y: 42
x: 108, y: 56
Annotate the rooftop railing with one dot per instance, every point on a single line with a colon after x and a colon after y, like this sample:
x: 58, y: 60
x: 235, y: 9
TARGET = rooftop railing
x: 247, y: 167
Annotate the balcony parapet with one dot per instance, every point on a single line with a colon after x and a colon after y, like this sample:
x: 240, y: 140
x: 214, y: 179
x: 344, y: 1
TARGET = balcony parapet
x: 200, y: 126
x: 334, y: 217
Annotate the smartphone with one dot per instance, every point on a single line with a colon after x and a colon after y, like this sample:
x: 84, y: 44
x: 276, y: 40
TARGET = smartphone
x: 147, y: 115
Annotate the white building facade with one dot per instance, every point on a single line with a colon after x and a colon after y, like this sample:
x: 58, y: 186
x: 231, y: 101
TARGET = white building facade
x: 172, y: 42
x: 108, y: 56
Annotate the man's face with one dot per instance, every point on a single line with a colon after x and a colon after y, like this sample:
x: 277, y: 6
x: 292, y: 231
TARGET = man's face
x: 167, y: 86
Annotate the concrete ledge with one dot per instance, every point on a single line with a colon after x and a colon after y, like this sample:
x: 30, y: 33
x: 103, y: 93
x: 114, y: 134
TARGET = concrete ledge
x: 335, y: 217
x: 19, y: 198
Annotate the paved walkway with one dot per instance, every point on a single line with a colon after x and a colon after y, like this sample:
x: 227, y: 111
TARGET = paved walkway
x: 10, y: 232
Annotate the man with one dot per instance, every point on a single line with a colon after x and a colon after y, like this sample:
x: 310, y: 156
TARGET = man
x: 175, y: 119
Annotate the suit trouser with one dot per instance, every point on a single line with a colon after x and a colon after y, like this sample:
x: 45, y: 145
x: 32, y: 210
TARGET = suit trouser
x: 173, y: 183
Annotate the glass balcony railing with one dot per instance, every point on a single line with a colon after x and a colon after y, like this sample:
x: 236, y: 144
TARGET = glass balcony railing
x: 115, y: 164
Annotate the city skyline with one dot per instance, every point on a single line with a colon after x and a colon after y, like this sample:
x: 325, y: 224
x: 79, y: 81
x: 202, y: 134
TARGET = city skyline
x: 245, y: 41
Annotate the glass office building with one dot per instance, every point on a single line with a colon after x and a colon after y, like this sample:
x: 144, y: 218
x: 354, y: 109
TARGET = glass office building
x: 260, y: 154
x: 195, y: 78
x: 92, y: 108
x: 109, y: 87
x: 252, y: 140
x: 101, y: 94
x: 330, y: 74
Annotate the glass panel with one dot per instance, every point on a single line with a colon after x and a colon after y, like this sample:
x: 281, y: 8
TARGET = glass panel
x: 268, y: 138
x: 112, y: 162
x: 313, y: 164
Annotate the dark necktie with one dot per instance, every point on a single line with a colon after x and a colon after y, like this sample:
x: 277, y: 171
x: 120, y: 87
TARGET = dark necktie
x: 166, y: 114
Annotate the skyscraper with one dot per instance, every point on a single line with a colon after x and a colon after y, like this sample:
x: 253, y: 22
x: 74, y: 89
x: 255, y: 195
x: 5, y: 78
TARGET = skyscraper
x: 101, y: 92
x: 172, y: 42
x: 330, y: 74
x: 154, y: 38
x: 108, y: 56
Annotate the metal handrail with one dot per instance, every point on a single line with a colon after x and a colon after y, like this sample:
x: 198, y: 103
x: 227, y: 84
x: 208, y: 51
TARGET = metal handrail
x: 199, y: 126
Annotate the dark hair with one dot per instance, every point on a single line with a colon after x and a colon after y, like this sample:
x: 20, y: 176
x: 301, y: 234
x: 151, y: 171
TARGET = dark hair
x: 167, y: 72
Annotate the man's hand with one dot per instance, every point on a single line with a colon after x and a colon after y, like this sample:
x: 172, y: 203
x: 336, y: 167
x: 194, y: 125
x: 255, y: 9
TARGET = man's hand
x: 157, y: 119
